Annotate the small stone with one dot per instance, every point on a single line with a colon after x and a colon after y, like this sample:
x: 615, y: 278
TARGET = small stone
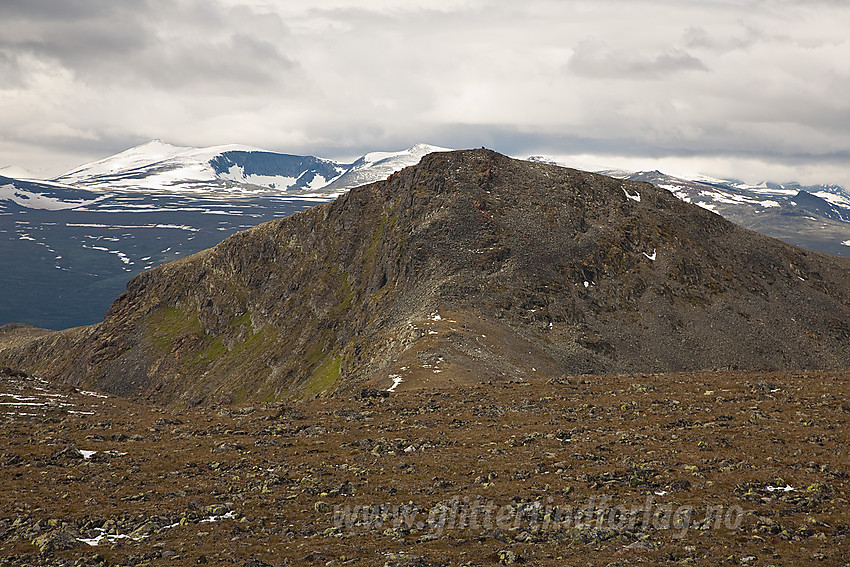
x: 508, y: 557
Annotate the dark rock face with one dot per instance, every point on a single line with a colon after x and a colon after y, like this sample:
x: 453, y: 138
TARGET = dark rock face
x: 303, y: 169
x: 470, y: 266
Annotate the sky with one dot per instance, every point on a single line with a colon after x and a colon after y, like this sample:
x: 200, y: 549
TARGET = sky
x: 748, y: 89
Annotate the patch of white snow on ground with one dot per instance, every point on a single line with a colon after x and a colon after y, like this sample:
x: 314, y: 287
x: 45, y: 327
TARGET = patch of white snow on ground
x: 132, y: 226
x: 396, y: 381
x: 94, y: 394
x: 20, y: 398
x: 121, y: 256
x: 112, y: 538
x: 95, y: 541
x: 635, y: 197
x: 211, y: 519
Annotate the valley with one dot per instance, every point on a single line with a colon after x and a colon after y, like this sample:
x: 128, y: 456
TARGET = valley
x: 63, y: 267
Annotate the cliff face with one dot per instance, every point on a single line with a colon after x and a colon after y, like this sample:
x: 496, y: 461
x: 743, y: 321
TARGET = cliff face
x: 470, y: 266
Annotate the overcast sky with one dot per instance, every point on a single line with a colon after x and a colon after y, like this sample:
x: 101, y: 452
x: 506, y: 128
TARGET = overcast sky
x: 755, y: 89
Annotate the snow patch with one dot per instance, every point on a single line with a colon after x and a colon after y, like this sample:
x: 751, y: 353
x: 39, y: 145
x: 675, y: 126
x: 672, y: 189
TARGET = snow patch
x: 635, y: 197
x: 212, y: 519
x: 396, y: 381
x: 93, y: 394
x: 31, y: 200
x: 121, y: 256
x: 237, y: 174
x: 131, y: 226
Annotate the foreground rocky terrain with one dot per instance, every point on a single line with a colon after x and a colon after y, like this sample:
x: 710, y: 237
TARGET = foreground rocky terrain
x: 710, y: 468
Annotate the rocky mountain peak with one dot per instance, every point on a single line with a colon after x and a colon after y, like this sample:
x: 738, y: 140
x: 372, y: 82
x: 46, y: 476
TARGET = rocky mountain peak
x: 467, y: 267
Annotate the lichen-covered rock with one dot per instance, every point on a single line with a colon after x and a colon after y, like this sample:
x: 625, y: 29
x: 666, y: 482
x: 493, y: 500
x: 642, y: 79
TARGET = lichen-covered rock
x: 57, y: 540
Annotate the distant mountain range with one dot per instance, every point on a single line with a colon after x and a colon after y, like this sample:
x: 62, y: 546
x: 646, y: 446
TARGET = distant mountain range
x: 69, y: 245
x: 816, y: 217
x: 235, y: 171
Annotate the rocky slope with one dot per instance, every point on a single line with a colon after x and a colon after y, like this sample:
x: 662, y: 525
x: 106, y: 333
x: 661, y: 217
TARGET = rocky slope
x: 467, y: 267
x: 815, y: 217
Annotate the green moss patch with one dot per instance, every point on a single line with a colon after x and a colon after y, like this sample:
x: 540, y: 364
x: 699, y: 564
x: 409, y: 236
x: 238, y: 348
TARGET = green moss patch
x: 323, y: 377
x: 168, y: 324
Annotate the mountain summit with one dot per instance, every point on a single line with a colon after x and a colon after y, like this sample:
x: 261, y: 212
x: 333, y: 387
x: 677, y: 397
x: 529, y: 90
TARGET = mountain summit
x: 469, y: 266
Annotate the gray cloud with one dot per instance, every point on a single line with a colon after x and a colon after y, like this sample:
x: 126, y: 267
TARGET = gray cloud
x: 11, y: 73
x: 596, y: 60
x: 186, y: 45
x: 59, y: 10
x: 761, y: 82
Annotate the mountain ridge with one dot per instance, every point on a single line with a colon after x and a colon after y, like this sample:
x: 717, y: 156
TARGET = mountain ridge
x: 468, y: 267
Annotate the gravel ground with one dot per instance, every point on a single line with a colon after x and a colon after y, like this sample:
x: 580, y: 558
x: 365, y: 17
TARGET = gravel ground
x: 722, y: 468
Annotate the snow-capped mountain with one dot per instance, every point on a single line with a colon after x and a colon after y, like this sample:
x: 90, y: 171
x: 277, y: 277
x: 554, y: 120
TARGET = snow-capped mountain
x: 230, y: 170
x: 710, y: 193
x: 376, y: 166
x: 726, y: 196
x: 234, y: 171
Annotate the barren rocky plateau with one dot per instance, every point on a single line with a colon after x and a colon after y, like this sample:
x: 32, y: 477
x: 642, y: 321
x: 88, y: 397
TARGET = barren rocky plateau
x: 705, y: 468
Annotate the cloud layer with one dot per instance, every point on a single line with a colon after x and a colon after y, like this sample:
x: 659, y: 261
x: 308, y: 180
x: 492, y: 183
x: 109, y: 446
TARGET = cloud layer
x: 749, y: 88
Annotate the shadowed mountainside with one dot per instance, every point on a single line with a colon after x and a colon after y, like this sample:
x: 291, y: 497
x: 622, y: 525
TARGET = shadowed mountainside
x: 468, y: 267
